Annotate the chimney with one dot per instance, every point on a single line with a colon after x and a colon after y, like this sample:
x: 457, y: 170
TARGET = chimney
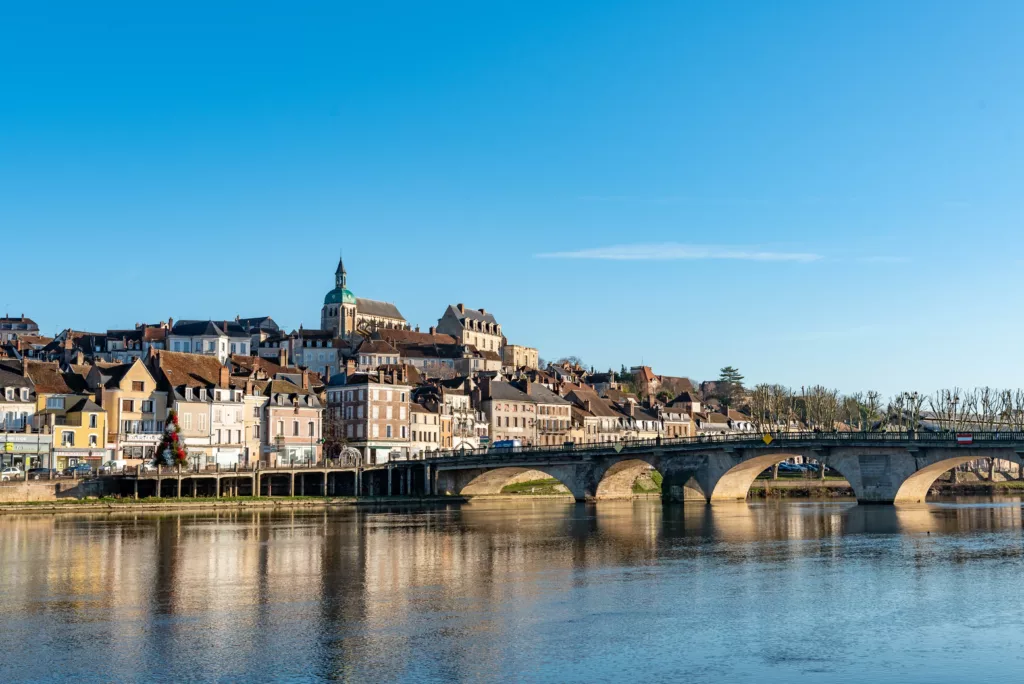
x: 282, y: 356
x: 417, y: 328
x: 461, y: 307
x: 170, y: 323
x: 483, y: 312
x: 24, y: 367
x: 79, y: 358
x: 305, y: 379
x: 433, y: 330
x: 224, y: 377
x: 586, y: 405
x: 250, y: 386
x: 380, y: 375
x: 350, y: 366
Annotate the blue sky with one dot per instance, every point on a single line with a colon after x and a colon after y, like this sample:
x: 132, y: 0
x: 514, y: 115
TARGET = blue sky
x: 812, y: 192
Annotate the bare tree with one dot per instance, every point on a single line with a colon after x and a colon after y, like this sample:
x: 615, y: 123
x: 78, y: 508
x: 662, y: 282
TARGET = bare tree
x: 871, y: 409
x: 822, y: 407
x: 953, y: 409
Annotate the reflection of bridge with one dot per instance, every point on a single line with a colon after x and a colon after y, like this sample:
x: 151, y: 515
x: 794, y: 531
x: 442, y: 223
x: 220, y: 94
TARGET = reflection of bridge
x: 882, y: 467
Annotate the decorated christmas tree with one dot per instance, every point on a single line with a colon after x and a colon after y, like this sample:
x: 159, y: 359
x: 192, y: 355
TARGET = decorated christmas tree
x: 171, y: 450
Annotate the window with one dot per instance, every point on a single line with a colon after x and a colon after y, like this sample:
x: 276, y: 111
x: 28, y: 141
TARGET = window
x: 67, y: 438
x: 404, y: 432
x: 376, y: 412
x: 376, y: 430
x: 147, y: 407
x: 202, y: 395
x: 401, y: 413
x: 255, y: 431
x: 234, y: 348
x: 348, y: 430
x: 127, y: 405
x: 387, y: 431
x: 387, y: 413
x: 54, y: 402
x: 188, y: 394
x: 177, y: 346
x: 311, y: 430
x: 361, y: 395
x: 218, y: 437
x: 93, y: 420
x: 24, y: 394
x: 280, y: 427
x: 359, y: 411
x: 217, y: 416
x: 255, y: 411
x: 359, y: 430
x: 138, y: 386
x: 186, y: 421
x: 295, y: 428
x: 387, y: 395
x: 402, y: 397
x: 202, y: 422
x: 92, y: 440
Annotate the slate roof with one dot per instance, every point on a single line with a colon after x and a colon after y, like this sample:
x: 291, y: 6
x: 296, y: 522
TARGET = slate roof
x: 542, y: 395
x: 10, y: 376
x: 472, y: 314
x: 503, y: 391
x: 376, y: 347
x: 372, y: 307
x: 209, y: 328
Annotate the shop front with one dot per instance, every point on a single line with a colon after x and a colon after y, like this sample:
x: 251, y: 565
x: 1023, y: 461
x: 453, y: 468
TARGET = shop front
x: 25, y: 451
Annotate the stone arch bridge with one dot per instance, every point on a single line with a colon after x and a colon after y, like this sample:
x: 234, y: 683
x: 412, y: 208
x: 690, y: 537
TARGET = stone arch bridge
x: 881, y: 468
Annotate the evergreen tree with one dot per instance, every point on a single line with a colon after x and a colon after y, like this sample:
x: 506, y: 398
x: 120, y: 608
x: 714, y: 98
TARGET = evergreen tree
x: 730, y: 386
x: 171, y: 450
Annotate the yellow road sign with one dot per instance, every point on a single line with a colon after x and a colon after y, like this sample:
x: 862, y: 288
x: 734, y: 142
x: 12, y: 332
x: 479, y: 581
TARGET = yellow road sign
x: 767, y: 439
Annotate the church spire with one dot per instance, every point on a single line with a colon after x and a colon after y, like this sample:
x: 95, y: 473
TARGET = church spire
x: 340, y: 276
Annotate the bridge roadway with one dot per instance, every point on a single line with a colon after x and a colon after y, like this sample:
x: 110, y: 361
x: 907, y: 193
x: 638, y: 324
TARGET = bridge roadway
x: 881, y: 467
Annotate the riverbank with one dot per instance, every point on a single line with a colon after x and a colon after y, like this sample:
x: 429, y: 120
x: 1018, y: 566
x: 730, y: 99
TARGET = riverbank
x: 224, y: 503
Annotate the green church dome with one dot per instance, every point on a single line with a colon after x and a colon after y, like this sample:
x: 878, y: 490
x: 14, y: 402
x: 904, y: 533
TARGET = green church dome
x: 340, y: 295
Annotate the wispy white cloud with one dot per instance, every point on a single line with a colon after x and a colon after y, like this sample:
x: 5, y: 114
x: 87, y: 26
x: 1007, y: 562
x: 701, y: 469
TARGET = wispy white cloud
x: 674, y: 251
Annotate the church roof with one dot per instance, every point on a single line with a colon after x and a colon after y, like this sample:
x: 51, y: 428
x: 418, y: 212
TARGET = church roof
x: 372, y: 307
x: 340, y: 295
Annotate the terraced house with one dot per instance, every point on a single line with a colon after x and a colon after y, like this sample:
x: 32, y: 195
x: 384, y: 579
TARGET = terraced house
x: 17, y: 397
x: 211, y: 411
x: 136, y: 409
x: 372, y: 412
x: 292, y: 420
x: 69, y: 412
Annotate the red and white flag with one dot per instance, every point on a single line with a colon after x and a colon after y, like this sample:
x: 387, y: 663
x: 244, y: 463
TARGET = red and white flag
x: 964, y: 438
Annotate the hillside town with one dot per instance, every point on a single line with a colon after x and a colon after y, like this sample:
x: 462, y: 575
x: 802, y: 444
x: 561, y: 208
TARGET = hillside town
x: 365, y: 384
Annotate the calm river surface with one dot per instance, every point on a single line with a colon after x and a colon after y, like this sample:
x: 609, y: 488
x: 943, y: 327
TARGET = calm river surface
x: 523, y: 591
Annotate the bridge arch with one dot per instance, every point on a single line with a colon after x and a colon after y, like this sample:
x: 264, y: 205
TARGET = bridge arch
x: 734, y: 483
x: 491, y: 481
x: 618, y: 479
x: 915, y: 488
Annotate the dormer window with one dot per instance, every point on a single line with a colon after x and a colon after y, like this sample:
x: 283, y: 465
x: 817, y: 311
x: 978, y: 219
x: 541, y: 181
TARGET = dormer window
x: 24, y: 394
x: 202, y: 395
x: 9, y: 393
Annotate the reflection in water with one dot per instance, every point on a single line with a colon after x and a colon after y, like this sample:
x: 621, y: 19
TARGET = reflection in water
x: 532, y: 590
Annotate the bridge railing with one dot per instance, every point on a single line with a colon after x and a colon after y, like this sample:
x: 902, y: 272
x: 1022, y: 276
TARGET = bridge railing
x: 747, y: 439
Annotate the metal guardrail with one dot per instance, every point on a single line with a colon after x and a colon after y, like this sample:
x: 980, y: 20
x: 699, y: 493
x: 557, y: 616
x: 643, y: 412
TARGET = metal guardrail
x: 745, y: 440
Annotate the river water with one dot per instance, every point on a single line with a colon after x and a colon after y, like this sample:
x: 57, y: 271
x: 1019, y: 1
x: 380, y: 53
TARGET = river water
x: 518, y: 591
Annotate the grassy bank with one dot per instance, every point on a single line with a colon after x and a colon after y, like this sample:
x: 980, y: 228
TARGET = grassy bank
x: 545, y: 487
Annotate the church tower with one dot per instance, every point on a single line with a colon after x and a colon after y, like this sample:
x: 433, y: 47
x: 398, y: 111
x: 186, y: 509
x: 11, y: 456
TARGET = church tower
x: 339, y: 312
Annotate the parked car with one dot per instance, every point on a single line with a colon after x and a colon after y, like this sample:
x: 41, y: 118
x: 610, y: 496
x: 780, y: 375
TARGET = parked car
x: 42, y: 473
x: 81, y: 469
x: 147, y: 467
x: 10, y: 473
x: 111, y: 467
